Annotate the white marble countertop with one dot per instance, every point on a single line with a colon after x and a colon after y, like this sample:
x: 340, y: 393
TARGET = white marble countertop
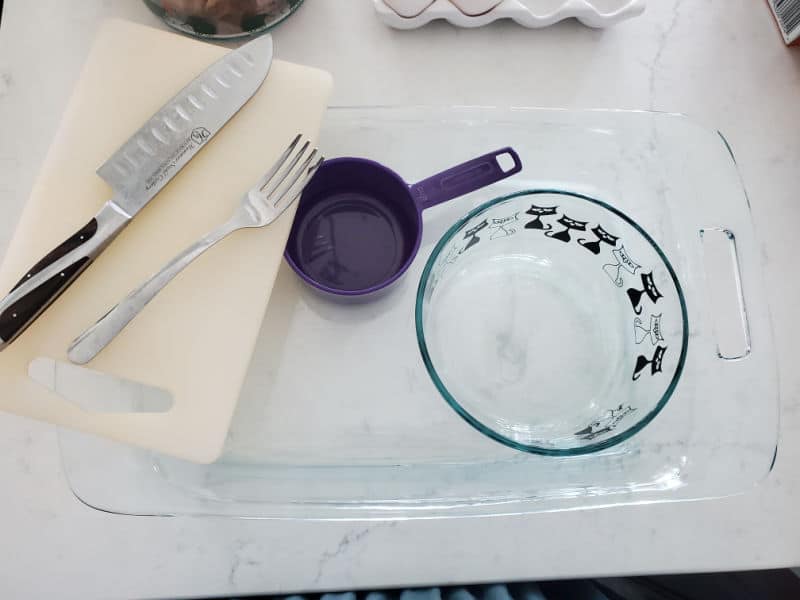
x: 720, y: 61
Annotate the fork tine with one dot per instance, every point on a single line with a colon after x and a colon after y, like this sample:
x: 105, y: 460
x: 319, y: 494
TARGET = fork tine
x: 302, y: 170
x: 272, y: 186
x: 294, y: 191
x: 310, y: 174
x: 278, y: 163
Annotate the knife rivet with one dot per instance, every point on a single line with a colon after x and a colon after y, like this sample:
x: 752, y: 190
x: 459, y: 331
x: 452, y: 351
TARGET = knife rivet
x: 13, y: 315
x: 62, y: 274
x: 81, y: 238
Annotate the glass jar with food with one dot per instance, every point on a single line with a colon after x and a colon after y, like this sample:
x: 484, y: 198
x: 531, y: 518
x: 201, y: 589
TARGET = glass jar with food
x: 223, y: 19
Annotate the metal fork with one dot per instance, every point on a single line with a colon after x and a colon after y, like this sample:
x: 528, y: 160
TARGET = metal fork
x: 264, y: 203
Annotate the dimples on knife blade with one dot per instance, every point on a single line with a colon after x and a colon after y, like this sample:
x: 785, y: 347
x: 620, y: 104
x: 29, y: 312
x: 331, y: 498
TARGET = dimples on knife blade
x: 170, y: 139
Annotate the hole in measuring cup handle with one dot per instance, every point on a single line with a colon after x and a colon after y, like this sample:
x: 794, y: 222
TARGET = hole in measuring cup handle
x: 506, y: 162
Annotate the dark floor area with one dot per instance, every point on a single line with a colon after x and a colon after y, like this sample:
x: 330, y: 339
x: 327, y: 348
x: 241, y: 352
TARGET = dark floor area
x: 779, y: 584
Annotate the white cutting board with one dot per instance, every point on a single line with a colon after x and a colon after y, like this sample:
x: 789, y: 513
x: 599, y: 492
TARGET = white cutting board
x: 195, y: 339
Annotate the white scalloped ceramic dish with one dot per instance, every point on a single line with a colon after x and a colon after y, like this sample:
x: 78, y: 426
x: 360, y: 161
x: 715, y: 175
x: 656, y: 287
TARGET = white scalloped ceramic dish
x: 410, y: 14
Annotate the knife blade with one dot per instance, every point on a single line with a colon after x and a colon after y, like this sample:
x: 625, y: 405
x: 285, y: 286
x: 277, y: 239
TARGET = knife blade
x: 137, y: 171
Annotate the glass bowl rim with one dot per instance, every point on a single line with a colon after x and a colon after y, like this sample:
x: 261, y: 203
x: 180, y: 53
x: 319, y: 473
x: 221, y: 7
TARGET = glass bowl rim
x: 477, y: 424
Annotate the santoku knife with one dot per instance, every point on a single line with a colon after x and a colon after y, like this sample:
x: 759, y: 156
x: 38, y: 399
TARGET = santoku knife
x: 137, y: 172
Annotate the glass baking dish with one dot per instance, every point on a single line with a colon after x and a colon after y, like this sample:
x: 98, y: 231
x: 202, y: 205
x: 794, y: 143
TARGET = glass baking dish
x: 338, y: 418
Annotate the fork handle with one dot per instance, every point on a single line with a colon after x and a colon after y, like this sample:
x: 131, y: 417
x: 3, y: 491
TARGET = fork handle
x: 92, y: 341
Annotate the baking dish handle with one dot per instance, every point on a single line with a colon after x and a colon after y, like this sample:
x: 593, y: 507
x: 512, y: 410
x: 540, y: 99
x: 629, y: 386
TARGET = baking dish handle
x: 725, y: 293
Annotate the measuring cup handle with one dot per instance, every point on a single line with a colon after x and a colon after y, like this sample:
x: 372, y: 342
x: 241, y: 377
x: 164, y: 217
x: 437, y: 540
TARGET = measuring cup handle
x: 464, y: 178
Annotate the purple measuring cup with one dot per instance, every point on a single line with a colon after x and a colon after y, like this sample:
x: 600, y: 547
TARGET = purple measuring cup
x: 359, y: 225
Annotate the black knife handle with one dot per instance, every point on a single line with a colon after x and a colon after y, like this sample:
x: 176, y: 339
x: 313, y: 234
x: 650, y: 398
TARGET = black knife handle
x: 75, y: 253
x: 83, y: 235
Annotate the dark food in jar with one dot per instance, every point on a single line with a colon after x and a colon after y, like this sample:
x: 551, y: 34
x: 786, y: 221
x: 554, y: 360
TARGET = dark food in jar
x: 225, y: 17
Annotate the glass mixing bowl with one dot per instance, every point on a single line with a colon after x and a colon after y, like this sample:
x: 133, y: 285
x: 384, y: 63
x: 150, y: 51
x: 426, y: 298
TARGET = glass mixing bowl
x: 552, y: 322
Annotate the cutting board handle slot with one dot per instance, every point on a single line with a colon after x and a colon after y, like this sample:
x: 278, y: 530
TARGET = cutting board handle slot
x: 94, y: 391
